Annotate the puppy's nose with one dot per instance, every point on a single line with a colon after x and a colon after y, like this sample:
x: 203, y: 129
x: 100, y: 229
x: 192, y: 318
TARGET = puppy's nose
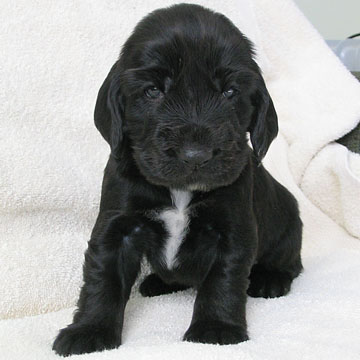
x: 195, y: 156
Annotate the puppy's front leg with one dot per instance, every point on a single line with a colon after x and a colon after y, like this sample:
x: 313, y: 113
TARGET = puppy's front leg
x: 112, y: 262
x: 219, y: 310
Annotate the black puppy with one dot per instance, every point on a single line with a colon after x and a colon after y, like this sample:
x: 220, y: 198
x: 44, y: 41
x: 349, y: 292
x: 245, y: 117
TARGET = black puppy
x: 182, y: 186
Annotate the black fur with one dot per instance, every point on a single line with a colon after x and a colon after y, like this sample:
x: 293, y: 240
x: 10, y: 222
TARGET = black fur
x: 176, y: 109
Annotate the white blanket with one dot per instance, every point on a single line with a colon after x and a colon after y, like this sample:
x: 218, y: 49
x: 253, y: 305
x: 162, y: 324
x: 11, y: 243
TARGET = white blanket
x: 54, y: 56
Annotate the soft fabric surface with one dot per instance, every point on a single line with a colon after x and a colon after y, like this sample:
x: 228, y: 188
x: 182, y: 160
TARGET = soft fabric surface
x: 318, y: 101
x: 53, y: 60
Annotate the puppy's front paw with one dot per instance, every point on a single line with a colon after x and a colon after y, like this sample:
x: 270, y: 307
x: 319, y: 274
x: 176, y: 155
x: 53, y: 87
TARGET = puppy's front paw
x: 215, y: 332
x: 80, y: 339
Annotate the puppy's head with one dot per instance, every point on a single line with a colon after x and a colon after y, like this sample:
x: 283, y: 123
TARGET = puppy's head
x: 182, y: 97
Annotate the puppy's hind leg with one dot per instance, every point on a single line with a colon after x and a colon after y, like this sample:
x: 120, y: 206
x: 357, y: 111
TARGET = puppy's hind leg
x: 274, y: 272
x: 152, y: 285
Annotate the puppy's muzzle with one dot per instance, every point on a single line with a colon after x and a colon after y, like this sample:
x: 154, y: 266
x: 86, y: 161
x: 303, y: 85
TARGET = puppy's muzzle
x: 194, y: 156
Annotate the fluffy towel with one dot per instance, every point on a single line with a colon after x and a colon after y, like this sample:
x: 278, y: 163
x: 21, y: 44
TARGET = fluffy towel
x: 337, y: 191
x: 53, y: 60
x: 318, y: 101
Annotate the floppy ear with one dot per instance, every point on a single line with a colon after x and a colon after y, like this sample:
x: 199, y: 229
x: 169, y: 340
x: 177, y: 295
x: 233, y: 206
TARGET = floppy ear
x: 108, y: 113
x: 263, y: 127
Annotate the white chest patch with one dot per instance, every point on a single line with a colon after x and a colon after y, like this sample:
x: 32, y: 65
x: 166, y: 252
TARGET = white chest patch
x: 176, y: 221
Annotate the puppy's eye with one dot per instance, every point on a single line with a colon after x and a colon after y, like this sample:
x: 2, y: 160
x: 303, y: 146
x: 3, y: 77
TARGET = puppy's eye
x: 153, y: 92
x: 229, y: 93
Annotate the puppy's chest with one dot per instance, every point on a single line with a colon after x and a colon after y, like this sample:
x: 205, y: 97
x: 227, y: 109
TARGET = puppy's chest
x: 188, y: 247
x: 176, y: 221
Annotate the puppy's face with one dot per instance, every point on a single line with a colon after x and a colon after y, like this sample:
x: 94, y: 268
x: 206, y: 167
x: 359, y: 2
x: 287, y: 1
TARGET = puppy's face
x: 181, y: 116
x: 187, y: 91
